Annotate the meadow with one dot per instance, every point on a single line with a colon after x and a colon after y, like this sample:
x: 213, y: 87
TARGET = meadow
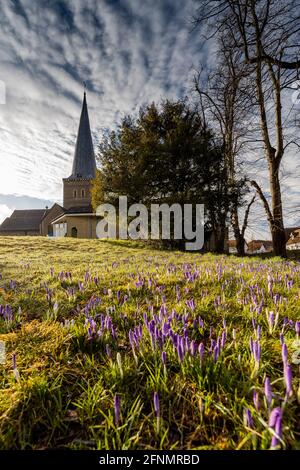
x: 113, y: 345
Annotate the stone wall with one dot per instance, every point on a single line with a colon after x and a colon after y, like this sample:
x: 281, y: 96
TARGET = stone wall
x: 85, y: 226
x: 77, y: 193
x: 46, y: 228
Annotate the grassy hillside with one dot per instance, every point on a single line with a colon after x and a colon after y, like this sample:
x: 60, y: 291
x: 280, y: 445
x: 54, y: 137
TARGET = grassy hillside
x: 110, y: 345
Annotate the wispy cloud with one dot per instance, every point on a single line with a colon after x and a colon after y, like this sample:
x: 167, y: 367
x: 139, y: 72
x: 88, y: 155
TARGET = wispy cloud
x: 5, y: 211
x: 128, y: 51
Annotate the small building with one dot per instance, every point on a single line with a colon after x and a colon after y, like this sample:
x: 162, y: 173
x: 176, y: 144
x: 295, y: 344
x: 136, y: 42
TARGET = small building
x: 288, y: 231
x: 232, y: 249
x: 23, y: 222
x: 293, y: 242
x: 259, y: 246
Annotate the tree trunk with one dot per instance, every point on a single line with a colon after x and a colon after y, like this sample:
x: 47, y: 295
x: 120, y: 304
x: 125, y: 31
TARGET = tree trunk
x: 277, y: 226
x: 220, y: 234
x: 240, y: 241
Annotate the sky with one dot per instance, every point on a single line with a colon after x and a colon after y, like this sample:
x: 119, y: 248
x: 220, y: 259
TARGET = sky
x: 128, y: 52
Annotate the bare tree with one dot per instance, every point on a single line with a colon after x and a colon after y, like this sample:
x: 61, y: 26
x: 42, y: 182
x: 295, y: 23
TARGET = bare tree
x: 267, y: 33
x: 225, y: 97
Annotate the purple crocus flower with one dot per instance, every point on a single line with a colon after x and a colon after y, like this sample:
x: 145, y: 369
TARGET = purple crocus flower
x: 156, y: 404
x: 201, y: 351
x: 284, y: 353
x: 297, y: 328
x: 275, y: 413
x: 258, y: 332
x: 212, y: 345
x: 193, y: 348
x: 223, y: 339
x: 190, y: 304
x: 268, y: 391
x: 108, y: 351
x: 256, y: 351
x: 271, y: 319
x: 117, y: 407
x: 164, y: 358
x: 276, y: 298
x: 216, y: 353
x: 90, y: 334
x: 248, y: 419
x: 281, y: 338
x: 288, y: 378
x: 256, y: 400
x: 275, y: 422
x: 180, y: 353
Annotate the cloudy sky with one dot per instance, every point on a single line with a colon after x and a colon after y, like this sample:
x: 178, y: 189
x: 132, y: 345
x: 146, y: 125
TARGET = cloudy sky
x: 128, y: 52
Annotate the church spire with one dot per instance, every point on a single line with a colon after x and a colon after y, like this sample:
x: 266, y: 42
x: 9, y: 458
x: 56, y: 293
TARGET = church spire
x: 84, y: 164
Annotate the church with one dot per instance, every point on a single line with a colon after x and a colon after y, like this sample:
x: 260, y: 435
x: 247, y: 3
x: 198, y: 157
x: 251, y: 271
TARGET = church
x: 76, y: 217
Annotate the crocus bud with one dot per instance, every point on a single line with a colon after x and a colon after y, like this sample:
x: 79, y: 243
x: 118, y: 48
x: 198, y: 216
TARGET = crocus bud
x: 281, y: 338
x: 268, y: 391
x: 256, y: 400
x: 117, y: 407
x: 297, y: 328
x: 275, y: 422
x: 284, y: 353
x: 248, y: 420
x: 119, y: 362
x: 156, y: 403
x: 201, y: 351
x: 288, y: 378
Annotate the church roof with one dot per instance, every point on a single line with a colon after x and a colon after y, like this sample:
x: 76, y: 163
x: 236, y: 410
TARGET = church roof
x: 77, y: 210
x: 84, y: 164
x: 88, y: 209
x: 295, y: 237
x: 288, y: 232
x: 23, y: 220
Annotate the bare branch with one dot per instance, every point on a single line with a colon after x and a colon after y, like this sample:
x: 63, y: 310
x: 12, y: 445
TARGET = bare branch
x: 263, y: 199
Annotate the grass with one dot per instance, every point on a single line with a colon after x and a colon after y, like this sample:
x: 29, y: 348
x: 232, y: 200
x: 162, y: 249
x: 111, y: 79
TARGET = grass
x: 91, y: 319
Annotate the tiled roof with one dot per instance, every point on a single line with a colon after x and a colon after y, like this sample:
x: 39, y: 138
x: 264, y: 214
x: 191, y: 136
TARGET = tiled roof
x: 46, y: 212
x: 80, y: 210
x: 288, y: 232
x: 294, y: 237
x: 257, y: 244
x: 23, y: 220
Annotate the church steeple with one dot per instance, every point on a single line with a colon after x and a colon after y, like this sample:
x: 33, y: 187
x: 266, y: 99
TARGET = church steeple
x: 84, y: 164
x: 77, y: 188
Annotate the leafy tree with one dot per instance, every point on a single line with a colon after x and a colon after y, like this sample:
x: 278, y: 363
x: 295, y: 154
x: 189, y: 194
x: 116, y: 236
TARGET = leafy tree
x: 167, y: 154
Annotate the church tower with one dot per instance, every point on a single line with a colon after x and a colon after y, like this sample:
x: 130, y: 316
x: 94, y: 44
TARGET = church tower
x: 77, y: 187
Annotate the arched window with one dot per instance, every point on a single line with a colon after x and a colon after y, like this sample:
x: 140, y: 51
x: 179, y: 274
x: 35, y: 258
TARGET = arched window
x: 82, y: 193
x: 74, y: 232
x: 75, y: 193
